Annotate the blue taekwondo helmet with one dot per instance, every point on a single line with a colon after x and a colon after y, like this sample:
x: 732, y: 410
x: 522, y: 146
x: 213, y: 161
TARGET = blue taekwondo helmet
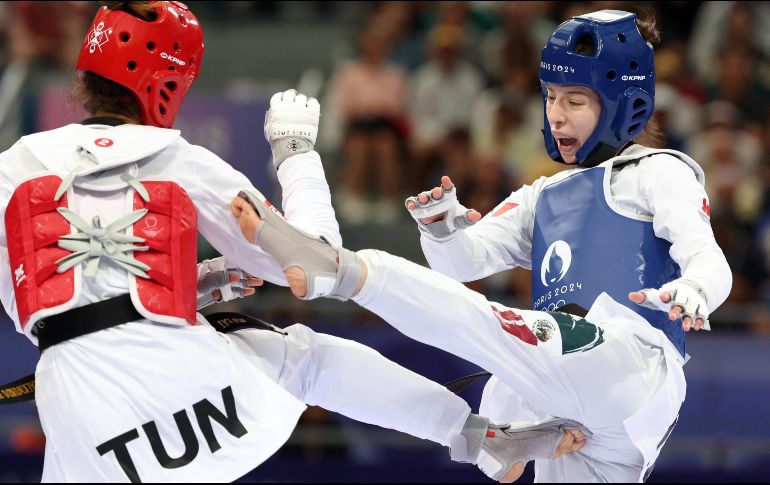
x: 621, y: 71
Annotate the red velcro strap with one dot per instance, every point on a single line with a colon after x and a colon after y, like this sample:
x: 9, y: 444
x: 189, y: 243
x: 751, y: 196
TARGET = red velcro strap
x: 45, y: 272
x: 37, y: 208
x: 160, y: 208
x: 161, y: 246
x: 162, y: 278
x: 48, y: 241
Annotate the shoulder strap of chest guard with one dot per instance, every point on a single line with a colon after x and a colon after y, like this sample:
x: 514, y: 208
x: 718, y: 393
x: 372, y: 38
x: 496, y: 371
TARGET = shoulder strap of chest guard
x: 97, y: 156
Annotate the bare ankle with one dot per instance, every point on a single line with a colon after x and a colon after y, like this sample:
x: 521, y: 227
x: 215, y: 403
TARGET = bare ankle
x: 297, y: 281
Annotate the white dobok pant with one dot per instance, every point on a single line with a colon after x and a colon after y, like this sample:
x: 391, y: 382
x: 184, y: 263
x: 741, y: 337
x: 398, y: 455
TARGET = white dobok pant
x: 611, y: 371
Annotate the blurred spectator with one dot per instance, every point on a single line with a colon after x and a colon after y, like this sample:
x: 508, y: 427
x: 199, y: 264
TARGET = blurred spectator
x: 730, y: 157
x: 441, y: 95
x: 489, y: 184
x: 48, y: 32
x: 454, y: 157
x: 758, y: 267
x: 525, y: 28
x: 369, y: 94
x: 402, y: 20
x: 721, y: 26
x: 677, y: 114
x: 738, y: 82
x: 673, y: 68
x: 675, y: 20
x: 473, y: 18
x: 44, y: 39
x: 507, y: 120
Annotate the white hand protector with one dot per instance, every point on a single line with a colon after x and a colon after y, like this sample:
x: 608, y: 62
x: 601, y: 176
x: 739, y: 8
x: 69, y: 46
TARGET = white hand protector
x: 291, y: 124
x: 684, y: 293
x: 456, y: 214
x: 214, y: 274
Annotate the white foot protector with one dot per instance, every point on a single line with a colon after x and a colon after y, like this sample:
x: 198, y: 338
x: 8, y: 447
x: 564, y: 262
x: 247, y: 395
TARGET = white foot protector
x: 331, y: 273
x: 496, y: 448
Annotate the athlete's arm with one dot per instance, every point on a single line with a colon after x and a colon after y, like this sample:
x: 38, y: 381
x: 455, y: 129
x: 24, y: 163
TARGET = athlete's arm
x: 681, y: 215
x: 501, y: 240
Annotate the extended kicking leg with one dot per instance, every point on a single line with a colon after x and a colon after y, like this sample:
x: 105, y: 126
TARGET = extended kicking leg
x: 314, y: 268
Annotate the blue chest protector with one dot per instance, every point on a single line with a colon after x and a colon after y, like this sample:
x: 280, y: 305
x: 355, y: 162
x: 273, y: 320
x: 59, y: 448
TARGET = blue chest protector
x: 581, y: 247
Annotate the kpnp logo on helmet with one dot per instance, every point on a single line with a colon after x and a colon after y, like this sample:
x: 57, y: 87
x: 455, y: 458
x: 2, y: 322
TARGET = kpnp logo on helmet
x: 171, y: 58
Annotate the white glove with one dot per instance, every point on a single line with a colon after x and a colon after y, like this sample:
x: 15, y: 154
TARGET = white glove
x: 455, y: 214
x: 291, y: 124
x: 214, y: 274
x: 685, y: 294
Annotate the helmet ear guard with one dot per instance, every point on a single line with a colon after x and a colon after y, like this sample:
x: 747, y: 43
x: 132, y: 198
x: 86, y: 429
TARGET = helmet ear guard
x: 163, y: 99
x: 634, y: 111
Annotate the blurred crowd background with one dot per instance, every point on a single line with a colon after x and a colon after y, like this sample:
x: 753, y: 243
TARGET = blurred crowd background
x: 413, y: 90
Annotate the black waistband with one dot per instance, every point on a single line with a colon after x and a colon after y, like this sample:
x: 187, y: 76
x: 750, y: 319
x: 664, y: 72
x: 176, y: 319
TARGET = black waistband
x: 573, y: 309
x: 102, y: 315
x: 84, y: 320
x: 119, y: 310
x: 19, y: 390
x: 68, y: 325
x: 227, y: 322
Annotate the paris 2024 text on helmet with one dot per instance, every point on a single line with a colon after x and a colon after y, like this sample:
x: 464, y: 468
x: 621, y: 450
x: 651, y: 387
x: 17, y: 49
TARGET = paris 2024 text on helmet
x: 618, y: 66
x: 157, y: 58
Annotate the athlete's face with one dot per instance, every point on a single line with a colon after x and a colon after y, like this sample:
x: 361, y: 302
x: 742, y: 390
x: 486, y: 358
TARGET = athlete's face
x: 573, y: 113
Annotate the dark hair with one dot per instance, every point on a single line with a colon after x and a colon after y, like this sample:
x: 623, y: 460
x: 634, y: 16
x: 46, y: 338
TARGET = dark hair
x: 143, y: 10
x: 98, y: 94
x: 645, y: 21
x: 651, y: 135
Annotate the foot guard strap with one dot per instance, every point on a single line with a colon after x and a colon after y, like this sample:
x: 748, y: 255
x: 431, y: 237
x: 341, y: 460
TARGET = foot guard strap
x: 496, y: 448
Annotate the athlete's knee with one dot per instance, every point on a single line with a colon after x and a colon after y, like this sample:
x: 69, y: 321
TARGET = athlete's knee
x: 263, y: 348
x: 301, y: 365
x: 288, y: 359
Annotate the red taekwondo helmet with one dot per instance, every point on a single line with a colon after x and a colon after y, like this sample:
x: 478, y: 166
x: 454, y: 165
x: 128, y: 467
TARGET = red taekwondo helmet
x: 157, y: 59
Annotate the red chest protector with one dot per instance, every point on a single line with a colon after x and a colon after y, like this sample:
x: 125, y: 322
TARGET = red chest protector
x: 33, y: 228
x: 170, y: 229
